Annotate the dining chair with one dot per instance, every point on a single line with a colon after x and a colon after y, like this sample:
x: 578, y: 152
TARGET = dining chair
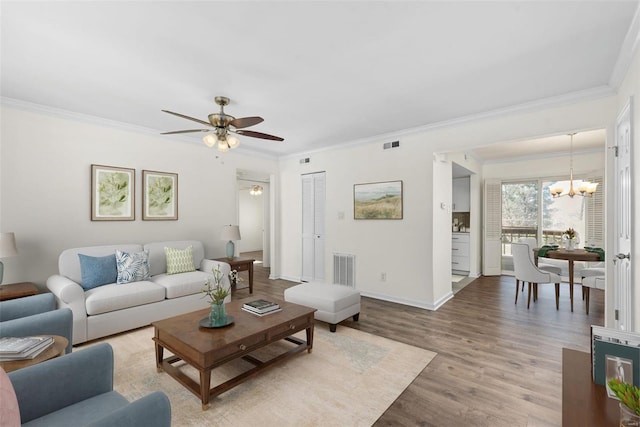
x: 532, y: 242
x: 592, y: 277
x: 526, y: 271
x: 596, y: 282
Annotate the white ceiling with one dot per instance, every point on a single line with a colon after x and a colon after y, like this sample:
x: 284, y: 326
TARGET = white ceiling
x: 319, y: 73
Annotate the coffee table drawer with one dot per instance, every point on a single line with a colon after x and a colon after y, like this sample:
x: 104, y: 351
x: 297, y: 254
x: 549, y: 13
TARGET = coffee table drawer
x: 246, y: 344
x: 293, y: 325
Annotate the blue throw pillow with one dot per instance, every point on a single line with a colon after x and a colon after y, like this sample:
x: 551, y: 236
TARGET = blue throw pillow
x: 97, y: 271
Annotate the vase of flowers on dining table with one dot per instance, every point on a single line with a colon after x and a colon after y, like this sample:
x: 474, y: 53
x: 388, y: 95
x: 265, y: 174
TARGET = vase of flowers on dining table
x: 570, y: 239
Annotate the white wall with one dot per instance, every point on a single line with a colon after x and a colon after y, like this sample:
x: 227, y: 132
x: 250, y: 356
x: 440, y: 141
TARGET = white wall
x: 45, y: 188
x: 251, y: 217
x: 408, y: 250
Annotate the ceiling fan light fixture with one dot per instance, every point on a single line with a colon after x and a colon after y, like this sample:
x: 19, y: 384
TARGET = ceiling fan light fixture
x: 256, y: 190
x: 210, y: 139
x: 232, y: 141
x: 223, y: 147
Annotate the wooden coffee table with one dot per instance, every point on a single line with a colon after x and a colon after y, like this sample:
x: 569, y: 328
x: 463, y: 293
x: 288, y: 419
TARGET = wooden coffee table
x: 205, y: 349
x: 57, y: 349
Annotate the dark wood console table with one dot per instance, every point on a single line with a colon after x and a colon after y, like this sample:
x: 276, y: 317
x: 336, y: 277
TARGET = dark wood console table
x: 584, y: 403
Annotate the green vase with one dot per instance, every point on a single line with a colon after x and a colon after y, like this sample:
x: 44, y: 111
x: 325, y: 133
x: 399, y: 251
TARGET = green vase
x: 218, y: 314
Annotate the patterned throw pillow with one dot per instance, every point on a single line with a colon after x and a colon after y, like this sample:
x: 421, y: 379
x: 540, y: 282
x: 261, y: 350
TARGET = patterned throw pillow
x: 132, y: 267
x: 179, y: 260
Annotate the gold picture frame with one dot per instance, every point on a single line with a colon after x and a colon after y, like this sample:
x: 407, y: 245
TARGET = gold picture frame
x: 377, y: 200
x: 112, y: 193
x: 159, y: 196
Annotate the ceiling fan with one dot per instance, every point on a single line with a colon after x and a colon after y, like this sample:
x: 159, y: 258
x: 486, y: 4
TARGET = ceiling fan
x: 223, y: 126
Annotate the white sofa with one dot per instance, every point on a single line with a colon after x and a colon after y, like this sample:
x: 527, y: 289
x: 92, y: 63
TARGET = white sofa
x: 113, y: 308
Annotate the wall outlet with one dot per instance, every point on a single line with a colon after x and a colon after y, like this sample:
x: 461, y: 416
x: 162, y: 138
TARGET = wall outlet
x: 383, y: 277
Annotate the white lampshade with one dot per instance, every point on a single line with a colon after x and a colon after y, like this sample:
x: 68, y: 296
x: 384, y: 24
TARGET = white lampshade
x: 230, y: 232
x: 8, y: 245
x: 232, y: 141
x: 210, y: 139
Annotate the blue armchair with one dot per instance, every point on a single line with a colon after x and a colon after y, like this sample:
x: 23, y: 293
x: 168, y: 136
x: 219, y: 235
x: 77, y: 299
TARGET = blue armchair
x: 35, y: 315
x: 77, y: 390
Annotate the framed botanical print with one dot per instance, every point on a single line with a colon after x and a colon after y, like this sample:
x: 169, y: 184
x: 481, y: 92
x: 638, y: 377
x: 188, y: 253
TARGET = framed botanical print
x: 377, y: 200
x: 159, y: 196
x: 112, y: 193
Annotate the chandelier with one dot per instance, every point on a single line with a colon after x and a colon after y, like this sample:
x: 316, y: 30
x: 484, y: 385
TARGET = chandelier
x: 256, y: 190
x: 584, y: 188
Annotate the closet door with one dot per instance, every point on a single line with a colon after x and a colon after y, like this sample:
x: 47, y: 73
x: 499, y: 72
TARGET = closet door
x: 313, y: 206
x: 492, y: 249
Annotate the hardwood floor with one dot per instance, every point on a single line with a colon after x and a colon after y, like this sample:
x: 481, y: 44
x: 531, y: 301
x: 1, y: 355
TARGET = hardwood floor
x: 498, y: 364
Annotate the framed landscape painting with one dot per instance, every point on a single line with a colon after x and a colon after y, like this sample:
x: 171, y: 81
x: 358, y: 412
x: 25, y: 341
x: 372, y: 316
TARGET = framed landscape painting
x: 112, y: 193
x: 377, y: 200
x: 159, y: 196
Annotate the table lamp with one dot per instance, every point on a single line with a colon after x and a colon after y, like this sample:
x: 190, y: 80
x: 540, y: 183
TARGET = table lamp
x: 7, y: 249
x: 230, y: 233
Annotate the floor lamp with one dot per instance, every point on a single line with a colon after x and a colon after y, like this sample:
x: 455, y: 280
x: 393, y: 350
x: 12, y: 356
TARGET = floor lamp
x: 7, y: 249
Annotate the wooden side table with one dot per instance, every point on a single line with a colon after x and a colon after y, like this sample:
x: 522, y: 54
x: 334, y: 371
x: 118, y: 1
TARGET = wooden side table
x: 17, y: 290
x: 57, y: 349
x: 241, y: 264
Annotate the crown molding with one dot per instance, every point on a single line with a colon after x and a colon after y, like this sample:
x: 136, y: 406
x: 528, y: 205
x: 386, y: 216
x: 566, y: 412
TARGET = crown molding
x: 114, y: 124
x: 627, y: 50
x: 597, y: 92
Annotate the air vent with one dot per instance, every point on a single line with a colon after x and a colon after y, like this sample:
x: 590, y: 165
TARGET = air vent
x: 305, y: 160
x: 388, y: 145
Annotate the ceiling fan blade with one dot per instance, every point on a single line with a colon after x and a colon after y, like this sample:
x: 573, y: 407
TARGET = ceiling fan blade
x: 188, y: 118
x: 254, y: 134
x: 185, y: 131
x: 245, y: 122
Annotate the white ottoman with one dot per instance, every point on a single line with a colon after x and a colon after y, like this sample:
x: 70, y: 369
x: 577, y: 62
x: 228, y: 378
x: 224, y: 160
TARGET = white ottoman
x: 333, y: 302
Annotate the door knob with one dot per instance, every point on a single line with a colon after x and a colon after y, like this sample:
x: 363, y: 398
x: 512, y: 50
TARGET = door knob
x: 621, y: 256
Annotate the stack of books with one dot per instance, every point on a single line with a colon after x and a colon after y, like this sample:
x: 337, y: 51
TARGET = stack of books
x: 23, y: 348
x: 261, y: 307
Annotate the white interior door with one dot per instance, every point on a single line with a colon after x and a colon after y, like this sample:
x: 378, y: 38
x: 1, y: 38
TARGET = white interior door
x: 622, y: 272
x: 313, y: 206
x: 492, y: 238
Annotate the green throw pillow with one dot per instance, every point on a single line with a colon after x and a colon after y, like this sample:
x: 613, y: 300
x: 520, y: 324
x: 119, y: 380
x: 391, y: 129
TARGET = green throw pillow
x: 179, y: 260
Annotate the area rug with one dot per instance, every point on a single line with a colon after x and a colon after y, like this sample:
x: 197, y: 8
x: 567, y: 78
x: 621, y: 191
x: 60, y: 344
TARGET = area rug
x: 350, y: 378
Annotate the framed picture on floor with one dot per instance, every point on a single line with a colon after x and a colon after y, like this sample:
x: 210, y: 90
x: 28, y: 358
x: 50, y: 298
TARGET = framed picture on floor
x: 112, y: 193
x: 377, y: 200
x: 159, y: 196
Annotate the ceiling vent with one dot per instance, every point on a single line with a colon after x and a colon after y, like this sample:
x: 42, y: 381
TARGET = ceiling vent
x: 305, y: 160
x: 388, y: 145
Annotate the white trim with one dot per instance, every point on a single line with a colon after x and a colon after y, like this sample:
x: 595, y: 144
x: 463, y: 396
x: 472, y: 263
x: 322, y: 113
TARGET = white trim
x: 541, y: 104
x: 409, y: 302
x: 627, y: 50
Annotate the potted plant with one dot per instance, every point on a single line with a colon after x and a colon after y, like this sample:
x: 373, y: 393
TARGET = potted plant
x: 629, y: 396
x: 217, y: 293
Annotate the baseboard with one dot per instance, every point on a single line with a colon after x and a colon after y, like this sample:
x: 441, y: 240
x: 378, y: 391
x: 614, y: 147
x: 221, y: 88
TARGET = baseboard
x: 409, y: 302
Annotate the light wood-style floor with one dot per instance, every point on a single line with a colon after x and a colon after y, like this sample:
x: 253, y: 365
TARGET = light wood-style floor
x: 498, y: 364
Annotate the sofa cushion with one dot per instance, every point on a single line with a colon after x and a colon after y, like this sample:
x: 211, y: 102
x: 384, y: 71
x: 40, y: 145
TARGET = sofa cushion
x: 97, y: 271
x: 113, y: 297
x: 158, y: 258
x: 82, y: 413
x: 179, y: 260
x: 132, y: 266
x: 178, y: 285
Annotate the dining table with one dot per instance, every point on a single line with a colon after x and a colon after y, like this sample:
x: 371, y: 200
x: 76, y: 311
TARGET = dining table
x: 570, y: 256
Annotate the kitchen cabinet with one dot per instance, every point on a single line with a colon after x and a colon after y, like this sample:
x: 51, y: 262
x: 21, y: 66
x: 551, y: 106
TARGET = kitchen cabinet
x: 460, y: 253
x: 460, y: 195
